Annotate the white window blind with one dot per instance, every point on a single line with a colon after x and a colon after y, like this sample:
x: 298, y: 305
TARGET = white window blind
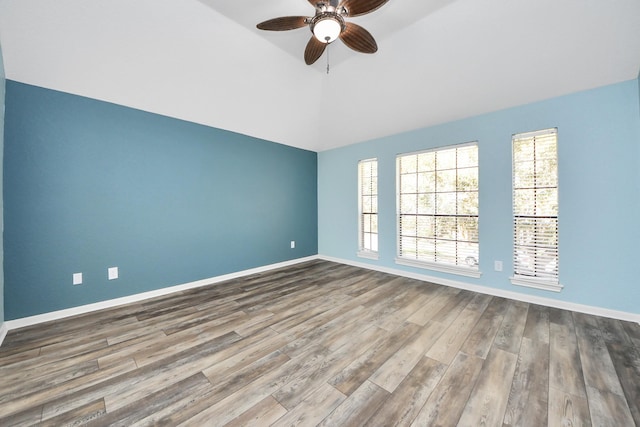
x: 438, y: 209
x: 368, y: 208
x: 535, y: 209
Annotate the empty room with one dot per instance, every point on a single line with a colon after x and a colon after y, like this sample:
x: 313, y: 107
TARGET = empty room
x: 320, y: 213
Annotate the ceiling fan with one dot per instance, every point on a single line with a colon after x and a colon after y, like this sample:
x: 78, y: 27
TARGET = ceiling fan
x: 329, y: 24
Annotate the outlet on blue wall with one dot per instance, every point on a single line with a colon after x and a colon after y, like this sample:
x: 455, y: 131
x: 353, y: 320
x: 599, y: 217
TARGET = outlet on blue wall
x: 91, y: 185
x: 599, y: 193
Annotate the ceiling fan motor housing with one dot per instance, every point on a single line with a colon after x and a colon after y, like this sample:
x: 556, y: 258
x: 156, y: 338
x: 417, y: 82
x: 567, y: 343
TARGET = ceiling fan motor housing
x: 332, y: 6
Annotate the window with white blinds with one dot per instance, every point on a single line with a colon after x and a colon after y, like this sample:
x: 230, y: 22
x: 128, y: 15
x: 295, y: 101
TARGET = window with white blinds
x: 535, y: 209
x: 438, y: 209
x: 368, y: 208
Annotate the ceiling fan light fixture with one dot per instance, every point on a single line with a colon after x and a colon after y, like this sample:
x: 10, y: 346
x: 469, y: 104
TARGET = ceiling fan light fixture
x: 328, y: 24
x: 327, y: 29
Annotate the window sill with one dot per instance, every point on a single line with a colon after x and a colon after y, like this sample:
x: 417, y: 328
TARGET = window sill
x: 542, y: 284
x: 368, y: 254
x: 444, y: 268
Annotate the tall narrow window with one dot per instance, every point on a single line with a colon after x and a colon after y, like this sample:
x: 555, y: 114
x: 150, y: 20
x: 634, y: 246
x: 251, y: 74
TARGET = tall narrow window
x: 438, y: 209
x: 368, y: 208
x: 535, y: 210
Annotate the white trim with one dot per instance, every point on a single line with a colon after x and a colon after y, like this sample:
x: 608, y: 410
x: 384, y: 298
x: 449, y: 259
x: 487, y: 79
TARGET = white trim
x: 523, y: 280
x: 549, y: 302
x: 61, y: 314
x: 430, y: 265
x: 444, y: 268
x: 362, y: 251
x: 3, y: 332
x: 33, y: 320
x: 440, y: 148
x: 542, y: 284
x: 535, y: 133
x: 367, y: 254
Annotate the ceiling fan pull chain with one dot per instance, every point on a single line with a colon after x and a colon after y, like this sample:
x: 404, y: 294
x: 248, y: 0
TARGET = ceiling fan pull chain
x: 328, y: 55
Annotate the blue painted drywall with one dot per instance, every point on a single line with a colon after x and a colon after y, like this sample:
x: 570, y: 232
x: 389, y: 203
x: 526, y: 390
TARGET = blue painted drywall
x: 91, y: 185
x: 599, y: 193
x: 2, y: 98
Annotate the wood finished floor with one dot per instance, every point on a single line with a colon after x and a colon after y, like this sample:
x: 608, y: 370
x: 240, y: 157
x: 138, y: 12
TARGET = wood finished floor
x: 324, y: 344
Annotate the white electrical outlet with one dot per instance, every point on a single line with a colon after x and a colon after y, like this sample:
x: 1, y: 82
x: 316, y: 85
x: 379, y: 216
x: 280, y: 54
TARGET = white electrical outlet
x: 293, y: 244
x: 497, y: 265
x: 77, y: 278
x: 112, y: 273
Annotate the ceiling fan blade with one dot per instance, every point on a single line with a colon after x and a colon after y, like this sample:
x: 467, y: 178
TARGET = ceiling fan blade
x: 358, y: 39
x: 314, y: 50
x: 360, y: 7
x: 283, y: 24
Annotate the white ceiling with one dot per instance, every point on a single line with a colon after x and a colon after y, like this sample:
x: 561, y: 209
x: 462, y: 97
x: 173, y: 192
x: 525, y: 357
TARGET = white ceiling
x: 205, y: 61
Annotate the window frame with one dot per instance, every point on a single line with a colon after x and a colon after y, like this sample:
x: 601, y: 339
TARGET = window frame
x: 363, y: 251
x: 458, y: 269
x: 537, y: 280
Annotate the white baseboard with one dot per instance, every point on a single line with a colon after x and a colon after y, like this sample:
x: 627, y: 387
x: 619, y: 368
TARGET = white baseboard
x: 61, y: 314
x: 3, y: 332
x: 549, y: 302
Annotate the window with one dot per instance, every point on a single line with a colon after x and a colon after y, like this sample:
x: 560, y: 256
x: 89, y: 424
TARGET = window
x: 368, y: 208
x: 535, y: 210
x: 438, y: 209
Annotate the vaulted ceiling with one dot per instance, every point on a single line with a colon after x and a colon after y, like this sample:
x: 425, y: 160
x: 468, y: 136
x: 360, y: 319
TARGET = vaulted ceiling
x: 205, y: 61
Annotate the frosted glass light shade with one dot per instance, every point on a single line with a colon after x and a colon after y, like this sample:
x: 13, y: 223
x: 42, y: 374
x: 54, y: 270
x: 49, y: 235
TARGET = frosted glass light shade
x: 327, y: 30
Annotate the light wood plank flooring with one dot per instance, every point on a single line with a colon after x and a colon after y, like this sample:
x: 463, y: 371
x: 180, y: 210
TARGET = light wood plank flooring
x: 321, y: 343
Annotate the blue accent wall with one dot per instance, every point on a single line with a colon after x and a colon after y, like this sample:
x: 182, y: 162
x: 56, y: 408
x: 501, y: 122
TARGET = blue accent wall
x: 91, y: 185
x: 599, y: 193
x: 2, y: 103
